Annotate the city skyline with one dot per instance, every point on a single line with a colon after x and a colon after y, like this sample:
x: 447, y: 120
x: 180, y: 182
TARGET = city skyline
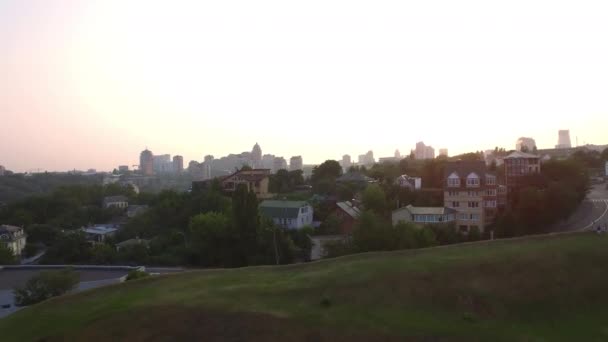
x: 217, y: 77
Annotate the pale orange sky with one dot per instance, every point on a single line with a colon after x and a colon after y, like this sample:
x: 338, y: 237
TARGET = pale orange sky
x: 89, y: 84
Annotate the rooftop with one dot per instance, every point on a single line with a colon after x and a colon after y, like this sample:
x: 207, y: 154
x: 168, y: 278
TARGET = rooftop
x: 111, y: 199
x: 99, y: 230
x: 427, y: 210
x: 349, y: 208
x: 519, y: 154
x: 464, y: 167
x: 281, y: 209
x: 9, y: 229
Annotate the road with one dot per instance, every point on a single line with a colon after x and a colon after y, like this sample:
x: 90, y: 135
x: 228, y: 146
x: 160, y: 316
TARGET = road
x: 593, y: 211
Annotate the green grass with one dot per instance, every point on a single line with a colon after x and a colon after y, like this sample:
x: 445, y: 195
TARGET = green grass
x: 536, y: 289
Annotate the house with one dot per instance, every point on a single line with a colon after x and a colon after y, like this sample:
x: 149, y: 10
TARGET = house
x: 132, y: 242
x: 256, y: 180
x: 405, y: 181
x: 99, y: 234
x: 13, y: 237
x: 134, y: 210
x: 348, y: 214
x: 120, y: 202
x: 289, y: 214
x: 473, y: 192
x: 424, y: 215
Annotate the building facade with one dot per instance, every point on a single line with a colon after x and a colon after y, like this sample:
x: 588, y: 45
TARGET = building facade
x: 256, y: 156
x: 279, y: 164
x: 517, y: 165
x: 405, y: 181
x: 288, y: 214
x: 296, y: 163
x: 473, y: 192
x: 146, y: 163
x: 14, y: 238
x: 2, y: 170
x: 443, y: 152
x: 120, y: 202
x: 178, y: 164
x: 348, y: 214
x: 346, y: 162
x: 423, y: 215
x: 256, y: 180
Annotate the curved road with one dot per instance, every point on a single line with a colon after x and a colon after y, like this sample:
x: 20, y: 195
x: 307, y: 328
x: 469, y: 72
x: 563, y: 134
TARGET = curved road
x: 593, y: 211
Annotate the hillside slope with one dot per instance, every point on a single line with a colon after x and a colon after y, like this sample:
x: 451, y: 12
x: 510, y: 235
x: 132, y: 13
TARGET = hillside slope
x: 537, y: 289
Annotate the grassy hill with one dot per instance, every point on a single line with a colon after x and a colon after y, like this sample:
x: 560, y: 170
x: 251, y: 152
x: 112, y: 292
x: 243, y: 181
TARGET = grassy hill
x: 536, y: 289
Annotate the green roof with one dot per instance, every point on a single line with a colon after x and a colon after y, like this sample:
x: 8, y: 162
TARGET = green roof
x: 281, y: 209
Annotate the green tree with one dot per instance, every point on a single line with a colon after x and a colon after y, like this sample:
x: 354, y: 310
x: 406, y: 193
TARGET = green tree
x: 372, y: 233
x: 246, y: 223
x: 404, y: 236
x: 324, y: 176
x: 425, y: 237
x: 103, y: 254
x: 6, y: 255
x: 374, y: 199
x: 46, y: 285
x: 212, y: 240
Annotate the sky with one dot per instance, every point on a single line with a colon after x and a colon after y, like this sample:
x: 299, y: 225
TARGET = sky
x: 89, y: 84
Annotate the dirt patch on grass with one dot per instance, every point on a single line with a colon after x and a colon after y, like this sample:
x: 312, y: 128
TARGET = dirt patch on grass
x: 175, y: 323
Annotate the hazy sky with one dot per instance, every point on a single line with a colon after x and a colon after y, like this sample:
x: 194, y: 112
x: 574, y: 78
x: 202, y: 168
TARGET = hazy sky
x: 92, y: 83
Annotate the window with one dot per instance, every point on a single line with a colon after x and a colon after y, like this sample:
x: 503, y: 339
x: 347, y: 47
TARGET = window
x: 491, y: 192
x: 472, y: 180
x: 490, y: 180
x: 473, y: 194
x: 473, y: 204
x: 452, y: 193
x: 453, y: 180
x: 455, y: 204
x: 463, y: 216
x: 463, y: 229
x: 490, y: 204
x: 474, y: 217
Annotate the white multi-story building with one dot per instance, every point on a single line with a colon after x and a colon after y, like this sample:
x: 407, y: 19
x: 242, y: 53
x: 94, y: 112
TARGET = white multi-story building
x: 295, y: 163
x: 13, y: 237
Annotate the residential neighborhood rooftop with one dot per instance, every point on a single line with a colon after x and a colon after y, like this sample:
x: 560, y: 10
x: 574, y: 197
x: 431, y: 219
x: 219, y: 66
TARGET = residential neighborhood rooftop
x: 349, y: 208
x: 281, y: 209
x: 519, y: 154
x: 427, y: 210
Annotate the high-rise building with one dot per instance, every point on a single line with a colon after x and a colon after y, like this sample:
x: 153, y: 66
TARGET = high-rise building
x: 256, y: 156
x: 2, y: 170
x: 443, y: 152
x: 295, y: 163
x: 162, y: 163
x: 346, y: 162
x: 279, y: 164
x: 420, y: 151
x: 123, y: 168
x: 524, y: 144
x: 268, y: 161
x: 563, y: 139
x: 367, y: 159
x: 178, y: 164
x: 397, y: 154
x: 146, y: 163
x: 429, y: 152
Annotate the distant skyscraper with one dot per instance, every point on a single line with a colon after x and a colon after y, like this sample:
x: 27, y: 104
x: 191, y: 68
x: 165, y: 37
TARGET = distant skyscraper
x: 367, y: 159
x: 178, y: 164
x: 563, y: 140
x: 256, y: 156
x: 527, y: 144
x: 162, y: 163
x: 279, y: 164
x: 429, y: 152
x: 2, y: 170
x: 268, y: 161
x: 443, y: 152
x: 346, y: 162
x: 295, y: 163
x: 420, y: 151
x: 146, y: 163
x: 397, y: 154
x: 123, y: 168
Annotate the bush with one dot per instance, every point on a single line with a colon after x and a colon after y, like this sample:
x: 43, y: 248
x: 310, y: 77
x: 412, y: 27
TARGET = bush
x: 325, y: 302
x: 137, y: 274
x: 6, y: 255
x: 46, y: 285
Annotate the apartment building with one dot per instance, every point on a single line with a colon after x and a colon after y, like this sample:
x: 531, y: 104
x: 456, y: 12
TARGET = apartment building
x: 473, y: 192
x: 518, y: 165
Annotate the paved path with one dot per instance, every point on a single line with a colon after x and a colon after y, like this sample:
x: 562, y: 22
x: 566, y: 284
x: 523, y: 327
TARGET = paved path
x: 593, y: 210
